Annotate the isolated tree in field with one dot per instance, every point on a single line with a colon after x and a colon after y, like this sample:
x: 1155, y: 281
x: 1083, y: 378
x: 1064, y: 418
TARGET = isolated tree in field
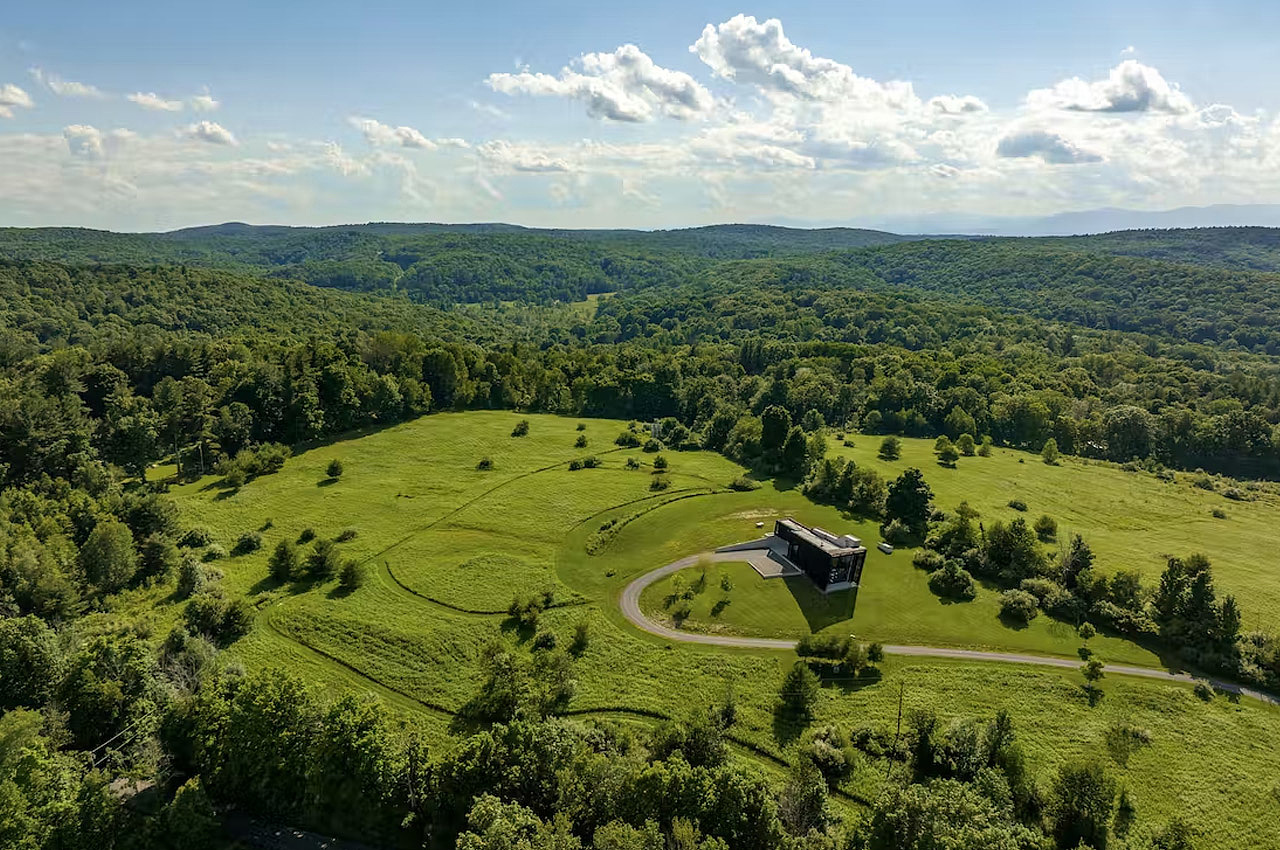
x: 521, y: 429
x: 1050, y: 451
x: 107, y: 556
x: 283, y: 563
x: 799, y: 692
x: 985, y: 449
x: 965, y: 444
x: 1046, y: 527
x: 1080, y: 805
x: 909, y: 500
x: 775, y: 425
x: 890, y: 448
x: 948, y: 454
x: 351, y: 576
x: 334, y: 469
x: 322, y: 563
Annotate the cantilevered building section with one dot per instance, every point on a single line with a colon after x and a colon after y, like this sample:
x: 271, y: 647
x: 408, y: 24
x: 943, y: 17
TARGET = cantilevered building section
x: 833, y: 563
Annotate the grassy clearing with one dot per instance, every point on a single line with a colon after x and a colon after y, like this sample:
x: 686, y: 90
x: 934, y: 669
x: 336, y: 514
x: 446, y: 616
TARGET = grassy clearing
x: 471, y: 538
x: 1133, y: 520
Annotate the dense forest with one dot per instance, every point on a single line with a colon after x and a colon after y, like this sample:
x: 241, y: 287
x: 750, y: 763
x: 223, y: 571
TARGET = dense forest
x: 216, y: 355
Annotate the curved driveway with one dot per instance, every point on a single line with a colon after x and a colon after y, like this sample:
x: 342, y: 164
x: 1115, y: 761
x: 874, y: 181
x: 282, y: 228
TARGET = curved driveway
x: 630, y: 604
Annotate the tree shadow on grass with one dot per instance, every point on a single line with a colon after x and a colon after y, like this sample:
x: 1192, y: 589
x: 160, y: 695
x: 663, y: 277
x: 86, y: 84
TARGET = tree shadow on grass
x: 326, y: 482
x: 523, y: 632
x: 787, y: 728
x: 1013, y: 623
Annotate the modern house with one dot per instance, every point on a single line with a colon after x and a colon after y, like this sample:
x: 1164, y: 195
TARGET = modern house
x: 832, y: 562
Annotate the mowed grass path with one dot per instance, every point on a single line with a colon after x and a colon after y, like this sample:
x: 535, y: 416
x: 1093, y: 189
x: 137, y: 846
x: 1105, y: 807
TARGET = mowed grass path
x: 472, y: 539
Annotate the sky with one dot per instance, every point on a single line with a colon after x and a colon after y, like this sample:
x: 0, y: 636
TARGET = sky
x: 160, y: 115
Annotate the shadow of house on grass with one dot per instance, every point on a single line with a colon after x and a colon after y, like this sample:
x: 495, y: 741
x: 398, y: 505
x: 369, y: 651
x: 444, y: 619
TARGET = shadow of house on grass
x: 821, y: 610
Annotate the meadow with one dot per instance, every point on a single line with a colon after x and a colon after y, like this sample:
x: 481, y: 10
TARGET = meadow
x: 447, y: 545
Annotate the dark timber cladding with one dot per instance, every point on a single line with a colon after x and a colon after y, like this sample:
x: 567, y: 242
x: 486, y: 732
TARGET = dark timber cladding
x: 826, y: 561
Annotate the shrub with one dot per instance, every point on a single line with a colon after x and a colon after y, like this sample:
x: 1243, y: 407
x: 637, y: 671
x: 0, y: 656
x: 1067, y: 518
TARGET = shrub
x: 659, y: 462
x: 307, y: 535
x: 1018, y: 605
x: 334, y: 469
x: 581, y: 639
x: 196, y: 537
x: 928, y: 560
x: 582, y: 426
x: 191, y: 577
x: 965, y: 445
x: 896, y: 532
x: 681, y: 610
x: 726, y: 583
x: 659, y: 482
x: 1086, y: 630
x: 890, y: 448
x: 1203, y: 691
x: 1235, y: 494
x: 525, y: 610
x: 875, y: 653
x: 157, y: 556
x: 1046, y: 527
x: 235, y: 478
x: 948, y: 455
x: 575, y: 465
x: 652, y: 445
x: 953, y: 582
x: 250, y: 541
x: 212, y: 614
x: 322, y: 563
x: 283, y: 563
x: 346, y: 534
x: 632, y: 463
x: 215, y: 552
x: 521, y: 429
x: 1202, y: 480
x: 485, y: 464
x: 581, y: 442
x: 352, y: 575
x: 830, y: 751
x: 1219, y: 513
x: 545, y: 641
x: 1017, y: 504
x: 1049, y: 454
x: 590, y: 462
x: 799, y: 692
x: 743, y: 484
x: 627, y: 440
x: 984, y: 450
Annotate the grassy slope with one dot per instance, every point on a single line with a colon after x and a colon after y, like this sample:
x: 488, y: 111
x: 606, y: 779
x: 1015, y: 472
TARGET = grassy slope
x: 413, y: 494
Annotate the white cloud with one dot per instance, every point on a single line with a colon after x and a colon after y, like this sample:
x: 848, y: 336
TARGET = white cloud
x: 377, y: 133
x: 153, y: 101
x: 625, y: 85
x: 756, y: 53
x: 208, y: 131
x: 1130, y: 87
x: 950, y: 104
x: 204, y: 102
x: 489, y: 109
x: 521, y: 157
x: 83, y: 140
x: 67, y: 88
x: 1129, y: 51
x: 12, y: 97
x: 1048, y: 146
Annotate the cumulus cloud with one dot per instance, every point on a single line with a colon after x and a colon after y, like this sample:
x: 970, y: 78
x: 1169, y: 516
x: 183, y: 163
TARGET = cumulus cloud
x: 758, y: 53
x: 204, y: 103
x: 83, y: 140
x: 1130, y: 87
x: 377, y: 133
x: 625, y: 85
x: 153, y: 101
x: 521, y: 157
x: 1048, y: 146
x: 67, y: 88
x: 12, y: 97
x: 208, y: 131
x: 950, y: 104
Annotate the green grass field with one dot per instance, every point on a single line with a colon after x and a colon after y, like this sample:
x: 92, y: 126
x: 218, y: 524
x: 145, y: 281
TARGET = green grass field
x: 448, y: 546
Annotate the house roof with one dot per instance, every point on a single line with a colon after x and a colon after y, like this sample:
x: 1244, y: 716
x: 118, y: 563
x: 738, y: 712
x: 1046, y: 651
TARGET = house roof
x: 804, y: 533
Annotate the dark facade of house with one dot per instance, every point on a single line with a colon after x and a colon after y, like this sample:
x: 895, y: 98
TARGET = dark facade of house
x: 827, y: 562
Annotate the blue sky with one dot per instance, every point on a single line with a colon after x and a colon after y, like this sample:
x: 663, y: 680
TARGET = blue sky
x: 158, y: 115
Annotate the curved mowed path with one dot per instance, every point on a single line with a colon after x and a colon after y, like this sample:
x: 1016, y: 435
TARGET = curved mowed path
x: 629, y: 602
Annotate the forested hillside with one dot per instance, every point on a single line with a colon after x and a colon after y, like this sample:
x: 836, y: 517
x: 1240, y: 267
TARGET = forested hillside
x: 1246, y: 248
